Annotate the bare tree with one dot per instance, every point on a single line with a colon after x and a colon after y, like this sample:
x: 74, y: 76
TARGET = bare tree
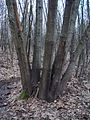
x: 70, y: 15
x: 36, y: 64
x: 49, y: 42
x: 49, y: 79
x: 16, y: 32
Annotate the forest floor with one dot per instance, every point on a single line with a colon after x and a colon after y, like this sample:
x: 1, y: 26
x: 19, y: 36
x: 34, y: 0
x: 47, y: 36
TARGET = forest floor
x: 74, y: 105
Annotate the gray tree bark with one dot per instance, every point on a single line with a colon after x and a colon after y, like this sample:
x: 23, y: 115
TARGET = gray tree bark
x: 70, y: 15
x: 71, y: 67
x: 16, y: 32
x: 88, y: 10
x: 48, y: 54
x: 36, y: 64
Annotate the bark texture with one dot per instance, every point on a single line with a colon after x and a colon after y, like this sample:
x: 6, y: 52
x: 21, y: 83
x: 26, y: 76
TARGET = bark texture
x: 49, y: 41
x: 71, y: 67
x: 70, y: 15
x: 16, y: 32
x: 36, y: 65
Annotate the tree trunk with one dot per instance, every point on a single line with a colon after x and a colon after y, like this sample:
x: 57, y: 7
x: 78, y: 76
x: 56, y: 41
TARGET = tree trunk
x: 88, y: 10
x: 71, y: 67
x: 70, y: 14
x: 16, y: 32
x: 36, y: 65
x: 48, y: 54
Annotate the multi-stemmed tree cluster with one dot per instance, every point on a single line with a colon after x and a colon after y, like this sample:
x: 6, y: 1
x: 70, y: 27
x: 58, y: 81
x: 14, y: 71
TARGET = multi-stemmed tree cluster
x: 50, y: 52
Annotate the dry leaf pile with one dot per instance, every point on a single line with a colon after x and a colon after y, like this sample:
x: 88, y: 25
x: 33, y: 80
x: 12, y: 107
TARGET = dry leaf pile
x: 74, y: 105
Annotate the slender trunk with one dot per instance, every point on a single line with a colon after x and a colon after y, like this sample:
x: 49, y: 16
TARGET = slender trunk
x: 48, y: 54
x: 78, y: 66
x: 81, y: 27
x: 88, y: 10
x: 29, y: 36
x: 16, y: 32
x: 36, y: 65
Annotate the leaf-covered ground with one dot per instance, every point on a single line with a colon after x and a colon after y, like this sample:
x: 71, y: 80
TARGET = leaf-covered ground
x: 74, y: 105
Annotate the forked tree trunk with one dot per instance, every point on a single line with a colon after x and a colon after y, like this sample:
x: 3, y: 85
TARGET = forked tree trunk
x: 71, y: 67
x: 16, y: 32
x: 58, y: 62
x: 70, y: 15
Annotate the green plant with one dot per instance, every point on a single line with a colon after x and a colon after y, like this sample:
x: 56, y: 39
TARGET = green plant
x: 24, y: 95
